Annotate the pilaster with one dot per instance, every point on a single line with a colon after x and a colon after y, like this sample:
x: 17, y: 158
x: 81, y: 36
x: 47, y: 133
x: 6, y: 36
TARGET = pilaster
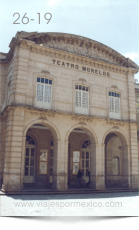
x: 134, y: 158
x: 97, y: 166
x: 60, y: 177
x: 20, y: 75
x: 13, y: 151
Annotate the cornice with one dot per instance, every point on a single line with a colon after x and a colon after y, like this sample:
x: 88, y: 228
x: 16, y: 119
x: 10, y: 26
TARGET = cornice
x: 34, y: 42
x: 57, y: 38
x: 80, y: 59
x: 45, y: 113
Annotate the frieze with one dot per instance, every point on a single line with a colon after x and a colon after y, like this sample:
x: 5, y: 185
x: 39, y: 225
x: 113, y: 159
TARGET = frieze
x: 44, y: 114
x: 49, y: 51
x: 81, y: 68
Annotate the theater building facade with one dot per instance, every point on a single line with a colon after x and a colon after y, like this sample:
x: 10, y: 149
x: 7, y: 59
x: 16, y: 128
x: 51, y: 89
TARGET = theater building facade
x: 67, y: 103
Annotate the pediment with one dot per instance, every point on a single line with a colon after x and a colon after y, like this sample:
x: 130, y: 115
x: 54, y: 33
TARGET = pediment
x: 78, y: 45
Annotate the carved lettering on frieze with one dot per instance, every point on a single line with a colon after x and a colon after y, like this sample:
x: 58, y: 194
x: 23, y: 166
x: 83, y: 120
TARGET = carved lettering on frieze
x: 81, y: 68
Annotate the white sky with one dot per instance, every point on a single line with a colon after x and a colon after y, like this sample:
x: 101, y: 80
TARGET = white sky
x: 113, y: 23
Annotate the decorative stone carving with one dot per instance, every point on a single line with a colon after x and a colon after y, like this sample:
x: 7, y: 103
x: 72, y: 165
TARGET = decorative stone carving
x: 45, y: 71
x: 43, y: 115
x: 82, y: 123
x: 82, y: 79
x: 82, y: 118
x: 43, y: 118
x: 115, y: 127
x: 114, y: 86
x: 115, y: 123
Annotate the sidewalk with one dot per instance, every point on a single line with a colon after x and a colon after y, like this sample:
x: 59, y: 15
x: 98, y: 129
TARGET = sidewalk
x: 102, y: 204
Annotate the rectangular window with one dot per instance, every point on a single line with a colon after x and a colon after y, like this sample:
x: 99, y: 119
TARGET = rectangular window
x: 78, y: 99
x: 44, y: 93
x: 85, y: 163
x: 84, y: 100
x: 114, y: 105
x: 29, y: 173
x: 81, y: 99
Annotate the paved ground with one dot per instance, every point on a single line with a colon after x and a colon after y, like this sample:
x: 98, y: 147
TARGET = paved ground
x: 102, y: 204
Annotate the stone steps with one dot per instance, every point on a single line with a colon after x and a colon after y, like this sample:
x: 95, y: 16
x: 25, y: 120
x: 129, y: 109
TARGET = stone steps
x: 69, y: 191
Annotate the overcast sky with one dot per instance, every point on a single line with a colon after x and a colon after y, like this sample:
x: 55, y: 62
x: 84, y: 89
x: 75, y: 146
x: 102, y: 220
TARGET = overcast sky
x: 114, y: 23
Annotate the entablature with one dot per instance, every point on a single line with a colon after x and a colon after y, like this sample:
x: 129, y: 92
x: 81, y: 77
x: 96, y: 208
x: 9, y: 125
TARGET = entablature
x: 43, y: 114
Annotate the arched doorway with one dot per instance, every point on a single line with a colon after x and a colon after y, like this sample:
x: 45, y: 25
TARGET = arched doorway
x: 43, y: 160
x: 81, y: 155
x: 116, y: 161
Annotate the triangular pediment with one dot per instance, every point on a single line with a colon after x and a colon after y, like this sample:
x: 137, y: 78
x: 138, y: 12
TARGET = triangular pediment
x: 78, y: 45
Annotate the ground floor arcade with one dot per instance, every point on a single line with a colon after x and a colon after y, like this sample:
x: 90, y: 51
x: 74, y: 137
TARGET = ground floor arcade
x: 47, y: 150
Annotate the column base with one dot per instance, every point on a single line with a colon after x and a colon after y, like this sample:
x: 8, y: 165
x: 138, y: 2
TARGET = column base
x: 97, y: 182
x: 11, y: 182
x: 135, y: 181
x: 92, y: 184
x: 100, y: 182
x: 60, y: 182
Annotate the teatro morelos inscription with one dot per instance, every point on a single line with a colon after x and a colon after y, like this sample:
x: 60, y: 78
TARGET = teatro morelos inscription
x: 82, y: 68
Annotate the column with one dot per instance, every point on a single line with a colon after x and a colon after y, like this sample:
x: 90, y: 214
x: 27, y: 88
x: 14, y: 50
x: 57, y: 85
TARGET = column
x: 60, y: 177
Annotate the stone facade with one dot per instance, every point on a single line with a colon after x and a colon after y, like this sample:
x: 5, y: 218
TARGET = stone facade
x: 39, y: 137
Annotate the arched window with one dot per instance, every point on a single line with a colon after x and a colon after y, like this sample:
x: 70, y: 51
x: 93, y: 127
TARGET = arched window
x: 81, y: 99
x: 29, y: 140
x: 86, y: 144
x: 114, y: 105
